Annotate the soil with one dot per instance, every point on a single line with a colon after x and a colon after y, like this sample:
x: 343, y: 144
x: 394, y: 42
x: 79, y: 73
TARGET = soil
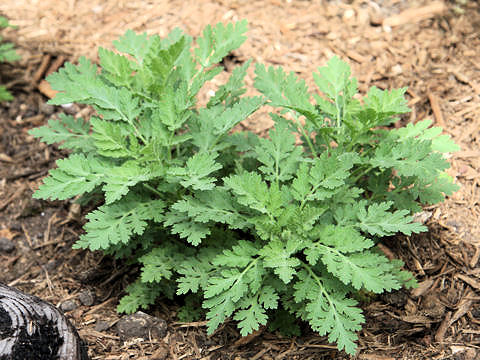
x: 430, y: 47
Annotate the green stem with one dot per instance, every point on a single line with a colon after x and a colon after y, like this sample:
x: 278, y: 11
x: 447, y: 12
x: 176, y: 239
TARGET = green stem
x: 339, y: 118
x: 307, y: 138
x: 319, y: 282
x: 152, y: 189
x: 145, y: 96
x: 363, y: 172
x: 304, y: 201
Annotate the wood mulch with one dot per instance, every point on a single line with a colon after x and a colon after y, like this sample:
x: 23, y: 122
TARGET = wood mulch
x: 432, y: 47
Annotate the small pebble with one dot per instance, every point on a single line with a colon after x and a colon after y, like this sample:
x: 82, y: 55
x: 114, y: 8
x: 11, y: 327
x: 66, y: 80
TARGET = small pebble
x: 141, y: 325
x: 6, y: 245
x: 102, y: 325
x: 68, y: 305
x: 86, y: 297
x: 47, y: 109
x: 52, y: 265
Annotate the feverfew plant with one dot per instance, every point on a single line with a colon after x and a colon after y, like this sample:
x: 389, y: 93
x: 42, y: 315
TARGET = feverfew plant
x: 7, y: 53
x: 252, y: 228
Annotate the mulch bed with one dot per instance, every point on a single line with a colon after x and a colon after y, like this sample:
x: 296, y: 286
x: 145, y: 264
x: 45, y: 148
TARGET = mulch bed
x: 431, y: 47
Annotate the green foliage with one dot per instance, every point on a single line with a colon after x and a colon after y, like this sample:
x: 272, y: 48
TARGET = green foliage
x: 7, y: 53
x: 251, y: 228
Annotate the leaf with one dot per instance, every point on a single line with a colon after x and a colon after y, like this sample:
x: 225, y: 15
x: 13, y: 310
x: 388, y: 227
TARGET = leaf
x: 7, y: 52
x: 73, y: 176
x: 334, y: 79
x: 225, y: 292
x: 195, y: 272
x: 82, y: 84
x: 160, y: 263
x: 5, y: 94
x: 335, y: 83
x: 377, y: 220
x: 251, y: 316
x: 195, y: 174
x: 120, y: 179
x: 281, y: 257
x: 279, y: 155
x: 70, y: 81
x: 385, y: 104
x: 187, y: 229
x: 324, y: 177
x: 436, y: 191
x: 231, y: 91
x: 237, y: 113
x: 216, y: 121
x: 221, y: 308
x: 215, y: 43
x: 134, y: 44
x: 345, y: 239
x: 118, y: 69
x: 251, y: 190
x: 328, y: 311
x: 116, y: 223
x: 422, y: 131
x: 268, y: 297
x: 239, y: 256
x: 67, y: 131
x: 172, y: 106
x: 110, y: 138
x: 361, y: 269
x: 215, y: 205
x: 284, y: 90
x: 140, y: 295
x: 411, y: 157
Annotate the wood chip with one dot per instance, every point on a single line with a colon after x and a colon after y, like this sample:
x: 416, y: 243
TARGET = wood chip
x: 15, y: 195
x: 5, y: 158
x: 470, y: 281
x: 249, y: 338
x: 55, y: 65
x: 442, y: 329
x: 414, y: 15
x: 474, y: 259
x: 467, y: 154
x: 436, y: 110
x: 416, y: 319
x: 375, y: 357
x: 463, y: 308
x: 352, y: 54
x: 422, y: 288
x: 41, y: 68
x: 45, y: 88
x: 388, y: 253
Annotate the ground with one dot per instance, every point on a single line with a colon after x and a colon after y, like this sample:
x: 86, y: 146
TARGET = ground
x: 431, y: 47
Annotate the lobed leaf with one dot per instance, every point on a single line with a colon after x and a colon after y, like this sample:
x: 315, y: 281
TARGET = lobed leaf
x: 68, y: 132
x: 118, y: 222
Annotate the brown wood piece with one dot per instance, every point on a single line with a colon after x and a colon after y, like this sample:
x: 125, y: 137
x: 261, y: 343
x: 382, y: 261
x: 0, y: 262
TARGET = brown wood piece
x: 41, y: 69
x: 474, y: 259
x: 442, y: 329
x: 470, y: 281
x: 31, y: 328
x: 55, y: 65
x: 16, y: 194
x: 416, y: 14
x: 436, y: 110
x: 45, y: 88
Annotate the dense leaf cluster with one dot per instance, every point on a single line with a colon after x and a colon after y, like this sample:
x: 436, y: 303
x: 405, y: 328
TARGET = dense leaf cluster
x: 7, y: 53
x: 256, y: 228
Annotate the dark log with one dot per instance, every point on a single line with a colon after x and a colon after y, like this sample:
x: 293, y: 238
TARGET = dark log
x: 32, y: 329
